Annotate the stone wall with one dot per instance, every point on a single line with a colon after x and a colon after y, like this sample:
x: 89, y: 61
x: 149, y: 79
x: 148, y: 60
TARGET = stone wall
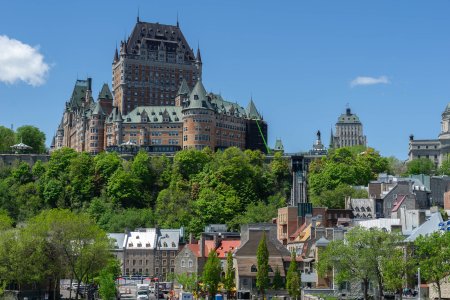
x: 13, y: 159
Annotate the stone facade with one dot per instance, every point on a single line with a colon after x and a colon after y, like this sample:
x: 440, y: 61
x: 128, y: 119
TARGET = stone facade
x: 435, y: 149
x: 349, y: 131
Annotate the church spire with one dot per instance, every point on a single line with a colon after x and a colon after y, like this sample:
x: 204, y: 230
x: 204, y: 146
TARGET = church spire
x: 116, y: 55
x: 199, y: 57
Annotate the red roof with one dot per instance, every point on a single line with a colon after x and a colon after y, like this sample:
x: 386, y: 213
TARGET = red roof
x: 298, y: 231
x: 195, y: 248
x: 227, y: 246
x: 398, y: 202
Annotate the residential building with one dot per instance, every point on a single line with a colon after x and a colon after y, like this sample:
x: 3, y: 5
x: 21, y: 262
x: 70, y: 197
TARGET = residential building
x: 192, y: 257
x: 245, y: 262
x: 435, y: 149
x: 118, y: 250
x: 349, y: 131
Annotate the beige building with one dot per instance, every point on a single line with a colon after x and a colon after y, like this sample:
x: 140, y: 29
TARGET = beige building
x: 349, y: 131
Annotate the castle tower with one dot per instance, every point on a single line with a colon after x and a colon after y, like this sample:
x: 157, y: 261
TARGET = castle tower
x: 151, y: 65
x: 198, y: 120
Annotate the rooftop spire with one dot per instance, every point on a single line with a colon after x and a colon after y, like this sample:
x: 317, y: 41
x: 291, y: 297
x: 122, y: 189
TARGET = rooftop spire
x: 178, y: 24
x: 199, y: 57
x: 116, y: 55
x: 137, y: 18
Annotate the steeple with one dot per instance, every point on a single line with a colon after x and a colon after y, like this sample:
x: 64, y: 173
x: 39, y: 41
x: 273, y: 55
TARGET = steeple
x: 116, y: 55
x: 178, y: 24
x: 137, y: 18
x: 252, y: 112
x: 199, y: 57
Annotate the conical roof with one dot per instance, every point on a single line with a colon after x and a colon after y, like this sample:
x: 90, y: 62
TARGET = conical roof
x: 198, y: 97
x: 199, y: 57
x: 116, y: 55
x: 252, y: 112
x: 105, y: 93
x: 184, y: 88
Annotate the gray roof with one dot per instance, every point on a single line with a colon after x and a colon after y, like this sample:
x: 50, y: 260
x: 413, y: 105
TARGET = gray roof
x: 430, y: 226
x: 227, y: 107
x: 322, y: 242
x: 152, y: 35
x: 169, y: 239
x: 118, y: 239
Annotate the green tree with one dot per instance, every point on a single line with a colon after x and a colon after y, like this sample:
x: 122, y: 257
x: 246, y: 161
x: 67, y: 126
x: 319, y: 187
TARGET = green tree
x: 124, y: 189
x: 396, y: 166
x: 107, y: 285
x: 189, y: 162
x: 360, y: 257
x: 81, y: 176
x: 420, y: 166
x: 228, y: 281
x: 187, y: 280
x: 348, y: 165
x: 6, y: 221
x: 277, y: 280
x: 211, y: 273
x: 22, y: 173
x: 74, y: 242
x: 262, y: 257
x: 7, y: 139
x: 336, y: 198
x: 433, y: 255
x: 293, y: 279
x: 32, y: 137
x: 444, y: 169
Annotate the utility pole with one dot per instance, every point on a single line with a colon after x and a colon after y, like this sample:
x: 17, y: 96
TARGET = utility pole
x: 418, y: 276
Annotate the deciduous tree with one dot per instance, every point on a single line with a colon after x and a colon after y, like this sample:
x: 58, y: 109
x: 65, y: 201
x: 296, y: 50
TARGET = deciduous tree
x: 293, y: 279
x: 262, y: 257
x: 211, y: 273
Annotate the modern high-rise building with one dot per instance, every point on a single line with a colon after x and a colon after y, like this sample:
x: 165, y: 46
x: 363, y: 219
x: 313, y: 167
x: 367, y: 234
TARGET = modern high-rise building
x: 349, y: 131
x: 150, y: 66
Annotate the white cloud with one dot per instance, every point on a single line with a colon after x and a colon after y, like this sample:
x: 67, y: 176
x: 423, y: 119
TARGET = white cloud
x: 366, y: 80
x: 21, y: 62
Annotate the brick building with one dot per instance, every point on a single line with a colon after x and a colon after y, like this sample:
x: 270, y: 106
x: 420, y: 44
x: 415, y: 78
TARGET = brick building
x: 158, y: 104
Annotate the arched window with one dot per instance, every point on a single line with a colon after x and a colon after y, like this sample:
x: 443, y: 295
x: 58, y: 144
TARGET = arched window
x: 253, y: 269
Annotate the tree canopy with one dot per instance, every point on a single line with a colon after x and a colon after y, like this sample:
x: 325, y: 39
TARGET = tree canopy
x: 343, y: 167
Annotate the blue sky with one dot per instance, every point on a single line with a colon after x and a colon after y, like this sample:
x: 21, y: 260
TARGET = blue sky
x: 296, y: 58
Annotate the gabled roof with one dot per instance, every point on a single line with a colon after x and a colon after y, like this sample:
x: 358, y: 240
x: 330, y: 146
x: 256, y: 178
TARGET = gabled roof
x: 430, y: 226
x: 252, y: 112
x: 155, y: 114
x: 227, y: 246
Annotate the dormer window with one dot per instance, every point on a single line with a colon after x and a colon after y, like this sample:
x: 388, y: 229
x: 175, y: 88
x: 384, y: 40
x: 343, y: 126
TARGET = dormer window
x: 195, y: 97
x: 164, y: 244
x: 137, y: 237
x: 253, y: 268
x: 147, y: 245
x: 139, y: 244
x: 130, y: 244
x: 173, y: 244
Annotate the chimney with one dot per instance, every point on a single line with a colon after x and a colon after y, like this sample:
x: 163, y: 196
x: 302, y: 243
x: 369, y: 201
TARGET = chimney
x: 89, y: 83
x: 202, y: 245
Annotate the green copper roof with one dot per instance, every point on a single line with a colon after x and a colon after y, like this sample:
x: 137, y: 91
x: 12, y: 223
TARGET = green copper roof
x: 98, y: 109
x: 184, y: 88
x: 278, y: 145
x: 348, y: 118
x: 79, y: 93
x: 252, y: 112
x: 154, y: 114
x: 228, y: 107
x: 198, y: 98
x: 105, y: 93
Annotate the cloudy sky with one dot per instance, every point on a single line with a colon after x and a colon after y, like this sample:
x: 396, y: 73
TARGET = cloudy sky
x: 302, y: 61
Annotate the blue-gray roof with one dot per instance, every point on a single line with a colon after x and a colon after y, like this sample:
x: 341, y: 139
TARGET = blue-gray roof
x: 430, y: 226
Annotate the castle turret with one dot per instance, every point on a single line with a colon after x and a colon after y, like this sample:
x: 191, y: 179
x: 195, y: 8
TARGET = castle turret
x: 198, y: 119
